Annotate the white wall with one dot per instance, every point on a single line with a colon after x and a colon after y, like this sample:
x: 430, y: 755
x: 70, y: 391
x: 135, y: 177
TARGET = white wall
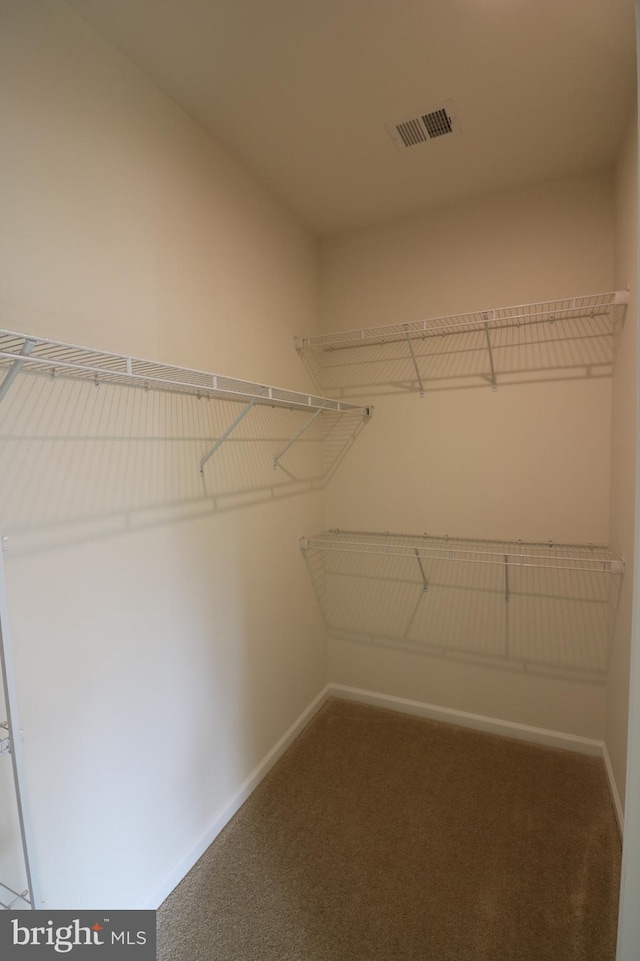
x: 623, y: 452
x: 623, y: 727
x: 529, y: 461
x: 163, y: 644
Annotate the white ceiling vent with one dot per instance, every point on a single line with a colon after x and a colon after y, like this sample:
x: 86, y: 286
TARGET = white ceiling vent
x: 431, y: 125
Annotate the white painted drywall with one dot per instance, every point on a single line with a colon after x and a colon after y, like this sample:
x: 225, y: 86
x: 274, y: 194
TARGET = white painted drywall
x: 623, y: 453
x: 163, y: 643
x: 529, y: 461
x: 617, y: 730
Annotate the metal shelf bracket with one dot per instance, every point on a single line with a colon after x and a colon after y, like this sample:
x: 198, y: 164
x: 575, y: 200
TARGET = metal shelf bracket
x: 298, y: 434
x: 415, y: 362
x: 15, y: 900
x: 232, y: 426
x: 15, y: 369
x: 5, y: 742
x: 489, y: 317
x: 425, y: 583
x: 31, y: 897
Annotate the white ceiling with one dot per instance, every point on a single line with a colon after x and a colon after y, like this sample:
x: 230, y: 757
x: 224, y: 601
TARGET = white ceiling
x: 300, y: 91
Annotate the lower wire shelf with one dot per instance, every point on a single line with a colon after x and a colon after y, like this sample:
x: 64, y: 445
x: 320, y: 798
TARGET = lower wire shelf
x: 533, y: 606
x: 11, y: 900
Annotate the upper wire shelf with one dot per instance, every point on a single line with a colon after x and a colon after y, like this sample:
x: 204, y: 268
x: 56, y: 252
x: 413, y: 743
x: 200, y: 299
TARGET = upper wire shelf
x: 26, y: 353
x: 407, y: 353
x: 550, y: 556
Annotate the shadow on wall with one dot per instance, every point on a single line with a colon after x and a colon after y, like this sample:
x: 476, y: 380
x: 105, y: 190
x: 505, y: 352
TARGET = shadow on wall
x: 540, y: 620
x: 79, y: 461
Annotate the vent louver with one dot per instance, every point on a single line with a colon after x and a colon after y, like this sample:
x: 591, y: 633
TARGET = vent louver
x: 438, y: 122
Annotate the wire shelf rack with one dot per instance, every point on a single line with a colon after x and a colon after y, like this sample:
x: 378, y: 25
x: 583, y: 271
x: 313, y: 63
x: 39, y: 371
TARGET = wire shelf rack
x: 548, y: 556
x: 570, y: 332
x: 25, y: 353
x: 11, y: 900
x: 536, y: 607
x: 22, y: 353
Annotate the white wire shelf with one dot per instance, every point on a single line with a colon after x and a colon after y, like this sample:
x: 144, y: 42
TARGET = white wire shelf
x: 535, y: 607
x: 25, y: 353
x: 11, y: 900
x: 5, y: 740
x: 512, y: 339
x: 22, y: 353
x: 549, y: 556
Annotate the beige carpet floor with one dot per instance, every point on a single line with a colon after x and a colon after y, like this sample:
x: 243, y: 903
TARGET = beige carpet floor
x: 382, y: 837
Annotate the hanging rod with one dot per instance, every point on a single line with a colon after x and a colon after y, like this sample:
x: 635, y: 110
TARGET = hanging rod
x: 549, y: 556
x: 25, y: 353
x: 591, y: 305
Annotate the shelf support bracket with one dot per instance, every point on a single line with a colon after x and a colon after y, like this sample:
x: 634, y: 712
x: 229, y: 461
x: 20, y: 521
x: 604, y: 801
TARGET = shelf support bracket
x: 15, y: 368
x: 425, y: 583
x: 506, y: 577
x: 5, y: 742
x: 295, y: 437
x: 415, y: 362
x: 494, y: 386
x: 15, y: 749
x: 232, y: 427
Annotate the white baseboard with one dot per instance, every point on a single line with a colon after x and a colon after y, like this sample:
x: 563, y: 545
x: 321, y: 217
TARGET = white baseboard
x: 492, y: 725
x: 165, y: 886
x: 613, y: 787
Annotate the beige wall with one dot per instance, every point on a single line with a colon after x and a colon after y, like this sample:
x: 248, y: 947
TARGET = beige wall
x: 623, y: 451
x: 528, y: 461
x: 538, y: 243
x: 163, y: 644
x: 623, y: 726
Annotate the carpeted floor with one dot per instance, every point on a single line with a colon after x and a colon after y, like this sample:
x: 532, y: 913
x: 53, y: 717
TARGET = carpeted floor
x: 382, y: 837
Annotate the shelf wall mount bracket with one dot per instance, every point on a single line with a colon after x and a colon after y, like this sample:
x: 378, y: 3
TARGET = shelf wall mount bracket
x: 31, y: 897
x: 295, y: 437
x: 5, y: 740
x: 16, y: 367
x: 487, y: 317
x: 425, y: 583
x: 415, y: 362
x: 16, y: 900
x: 232, y: 426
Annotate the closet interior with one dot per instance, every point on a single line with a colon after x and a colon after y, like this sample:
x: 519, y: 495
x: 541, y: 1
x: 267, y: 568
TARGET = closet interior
x: 435, y: 514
